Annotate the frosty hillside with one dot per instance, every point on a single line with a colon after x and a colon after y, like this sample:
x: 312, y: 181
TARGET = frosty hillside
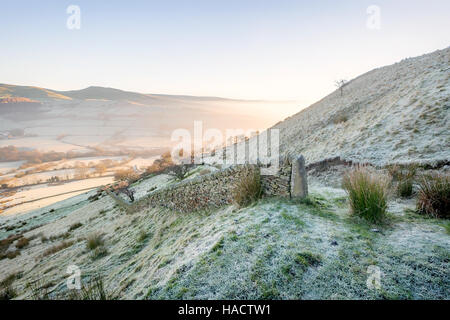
x: 377, y: 198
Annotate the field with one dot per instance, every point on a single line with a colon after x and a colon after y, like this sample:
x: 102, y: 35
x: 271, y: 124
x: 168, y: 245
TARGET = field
x: 29, y: 191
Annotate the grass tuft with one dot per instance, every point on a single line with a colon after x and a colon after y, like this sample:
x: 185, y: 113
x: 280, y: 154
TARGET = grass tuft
x: 75, y: 226
x: 367, y: 193
x: 248, y: 189
x: 5, y: 243
x: 404, y: 179
x: 94, y: 241
x: 405, y: 188
x: 142, y: 236
x: 434, y: 195
x: 12, y: 254
x: 340, y: 118
x: 308, y: 259
x: 22, y: 243
x: 92, y: 290
x: 99, y: 252
x: 63, y: 245
x: 7, y: 293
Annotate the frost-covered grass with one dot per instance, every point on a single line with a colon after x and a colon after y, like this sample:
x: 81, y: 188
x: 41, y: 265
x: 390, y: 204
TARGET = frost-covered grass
x: 367, y: 192
x: 273, y: 249
x: 263, y: 257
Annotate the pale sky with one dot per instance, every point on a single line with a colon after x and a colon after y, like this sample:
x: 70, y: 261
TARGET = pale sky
x: 276, y: 50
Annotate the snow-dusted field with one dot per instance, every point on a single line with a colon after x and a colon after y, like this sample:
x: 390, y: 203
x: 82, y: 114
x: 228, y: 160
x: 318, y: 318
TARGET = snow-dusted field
x: 6, y: 167
x: 42, y: 143
x: 49, y: 194
x: 52, y: 193
x: 86, y: 161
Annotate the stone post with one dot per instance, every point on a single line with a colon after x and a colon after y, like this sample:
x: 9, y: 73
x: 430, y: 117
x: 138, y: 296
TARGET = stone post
x: 299, y: 184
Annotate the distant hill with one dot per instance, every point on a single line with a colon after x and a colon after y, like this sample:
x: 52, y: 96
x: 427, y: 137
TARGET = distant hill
x: 97, y: 93
x: 116, y: 119
x: 36, y: 93
x: 16, y: 100
x: 102, y: 93
x: 18, y: 105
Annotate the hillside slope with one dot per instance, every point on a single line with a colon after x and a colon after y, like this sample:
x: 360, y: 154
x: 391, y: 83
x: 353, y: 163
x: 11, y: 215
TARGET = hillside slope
x: 9, y: 90
x: 275, y: 249
x: 398, y: 113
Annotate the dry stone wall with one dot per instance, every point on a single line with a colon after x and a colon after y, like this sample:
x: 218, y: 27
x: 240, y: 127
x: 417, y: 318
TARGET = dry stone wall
x: 279, y: 183
x: 216, y: 189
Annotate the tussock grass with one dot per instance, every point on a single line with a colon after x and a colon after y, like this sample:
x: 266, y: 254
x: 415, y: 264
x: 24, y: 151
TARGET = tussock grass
x: 99, y: 252
x: 307, y: 259
x: 5, y: 243
x: 94, y: 241
x: 404, y: 179
x: 7, y: 293
x: 405, y: 189
x: 39, y: 289
x: 10, y: 255
x: 368, y: 193
x: 64, y: 235
x: 9, y: 280
x: 142, y: 236
x: 434, y: 195
x: 93, y: 289
x: 75, y: 226
x: 22, y: 243
x: 63, y: 245
x: 340, y: 118
x: 4, y: 246
x: 248, y: 189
